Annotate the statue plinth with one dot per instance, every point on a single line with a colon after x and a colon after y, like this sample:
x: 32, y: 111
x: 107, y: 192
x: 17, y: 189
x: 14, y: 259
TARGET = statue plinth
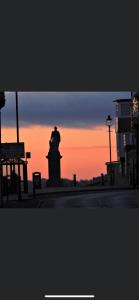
x: 54, y: 169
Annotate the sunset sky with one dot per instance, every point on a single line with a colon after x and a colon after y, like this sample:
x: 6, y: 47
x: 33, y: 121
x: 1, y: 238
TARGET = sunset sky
x: 80, y: 118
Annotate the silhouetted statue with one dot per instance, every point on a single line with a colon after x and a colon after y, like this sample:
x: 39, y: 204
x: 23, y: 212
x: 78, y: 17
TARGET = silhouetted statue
x: 54, y: 157
x: 55, y: 140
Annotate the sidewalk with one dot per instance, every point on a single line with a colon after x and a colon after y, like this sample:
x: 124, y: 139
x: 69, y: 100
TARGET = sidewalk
x: 29, y: 201
x: 79, y: 189
x: 61, y: 190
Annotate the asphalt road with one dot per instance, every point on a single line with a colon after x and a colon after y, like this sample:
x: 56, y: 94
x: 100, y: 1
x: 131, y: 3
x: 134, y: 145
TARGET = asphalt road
x: 96, y: 199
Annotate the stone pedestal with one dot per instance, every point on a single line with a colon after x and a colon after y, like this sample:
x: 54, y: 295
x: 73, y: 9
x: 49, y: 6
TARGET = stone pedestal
x: 54, y: 169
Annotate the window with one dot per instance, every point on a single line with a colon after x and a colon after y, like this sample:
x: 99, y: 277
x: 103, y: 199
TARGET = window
x: 126, y: 139
x: 117, y: 110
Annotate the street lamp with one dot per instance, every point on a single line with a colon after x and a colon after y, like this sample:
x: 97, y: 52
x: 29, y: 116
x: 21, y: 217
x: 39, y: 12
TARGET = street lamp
x: 109, y: 124
x: 17, y: 132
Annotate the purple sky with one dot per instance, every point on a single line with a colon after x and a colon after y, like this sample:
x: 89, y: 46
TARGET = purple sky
x: 67, y: 109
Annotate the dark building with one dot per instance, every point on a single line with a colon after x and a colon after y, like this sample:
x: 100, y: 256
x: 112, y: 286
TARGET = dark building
x: 127, y: 137
x: 123, y: 129
x: 134, y: 158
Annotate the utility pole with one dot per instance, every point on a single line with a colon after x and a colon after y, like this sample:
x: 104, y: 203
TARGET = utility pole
x: 17, y: 132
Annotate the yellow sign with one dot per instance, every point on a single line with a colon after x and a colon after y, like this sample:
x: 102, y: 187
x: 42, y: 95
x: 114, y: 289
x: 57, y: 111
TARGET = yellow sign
x: 135, y: 105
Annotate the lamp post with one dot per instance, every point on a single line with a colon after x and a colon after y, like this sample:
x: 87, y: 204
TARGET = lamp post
x: 2, y: 104
x: 17, y: 131
x: 109, y: 124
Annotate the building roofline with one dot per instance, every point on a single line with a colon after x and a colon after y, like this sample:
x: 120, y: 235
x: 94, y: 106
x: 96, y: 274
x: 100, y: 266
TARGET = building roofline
x: 122, y: 100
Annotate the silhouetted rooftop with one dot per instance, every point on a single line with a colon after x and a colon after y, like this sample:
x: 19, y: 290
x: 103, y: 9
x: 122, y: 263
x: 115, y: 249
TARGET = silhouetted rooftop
x: 136, y: 95
x: 122, y: 100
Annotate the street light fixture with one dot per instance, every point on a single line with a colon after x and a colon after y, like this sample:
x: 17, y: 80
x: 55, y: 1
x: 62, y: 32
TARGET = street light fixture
x: 109, y: 124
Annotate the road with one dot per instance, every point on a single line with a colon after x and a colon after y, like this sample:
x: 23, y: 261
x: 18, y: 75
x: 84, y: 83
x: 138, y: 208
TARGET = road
x: 95, y: 199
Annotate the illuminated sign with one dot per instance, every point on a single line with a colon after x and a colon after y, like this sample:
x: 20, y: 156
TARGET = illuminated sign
x: 135, y: 105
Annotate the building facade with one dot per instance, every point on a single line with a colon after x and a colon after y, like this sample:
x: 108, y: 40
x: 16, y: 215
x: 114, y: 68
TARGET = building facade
x: 135, y: 133
x: 127, y: 137
x: 123, y: 129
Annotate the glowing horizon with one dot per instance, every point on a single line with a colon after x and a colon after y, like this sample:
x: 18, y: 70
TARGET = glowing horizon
x: 84, y: 151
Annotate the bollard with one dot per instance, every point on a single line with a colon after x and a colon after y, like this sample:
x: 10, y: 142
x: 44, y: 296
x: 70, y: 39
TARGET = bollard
x: 102, y: 178
x: 74, y: 180
x: 34, y: 191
